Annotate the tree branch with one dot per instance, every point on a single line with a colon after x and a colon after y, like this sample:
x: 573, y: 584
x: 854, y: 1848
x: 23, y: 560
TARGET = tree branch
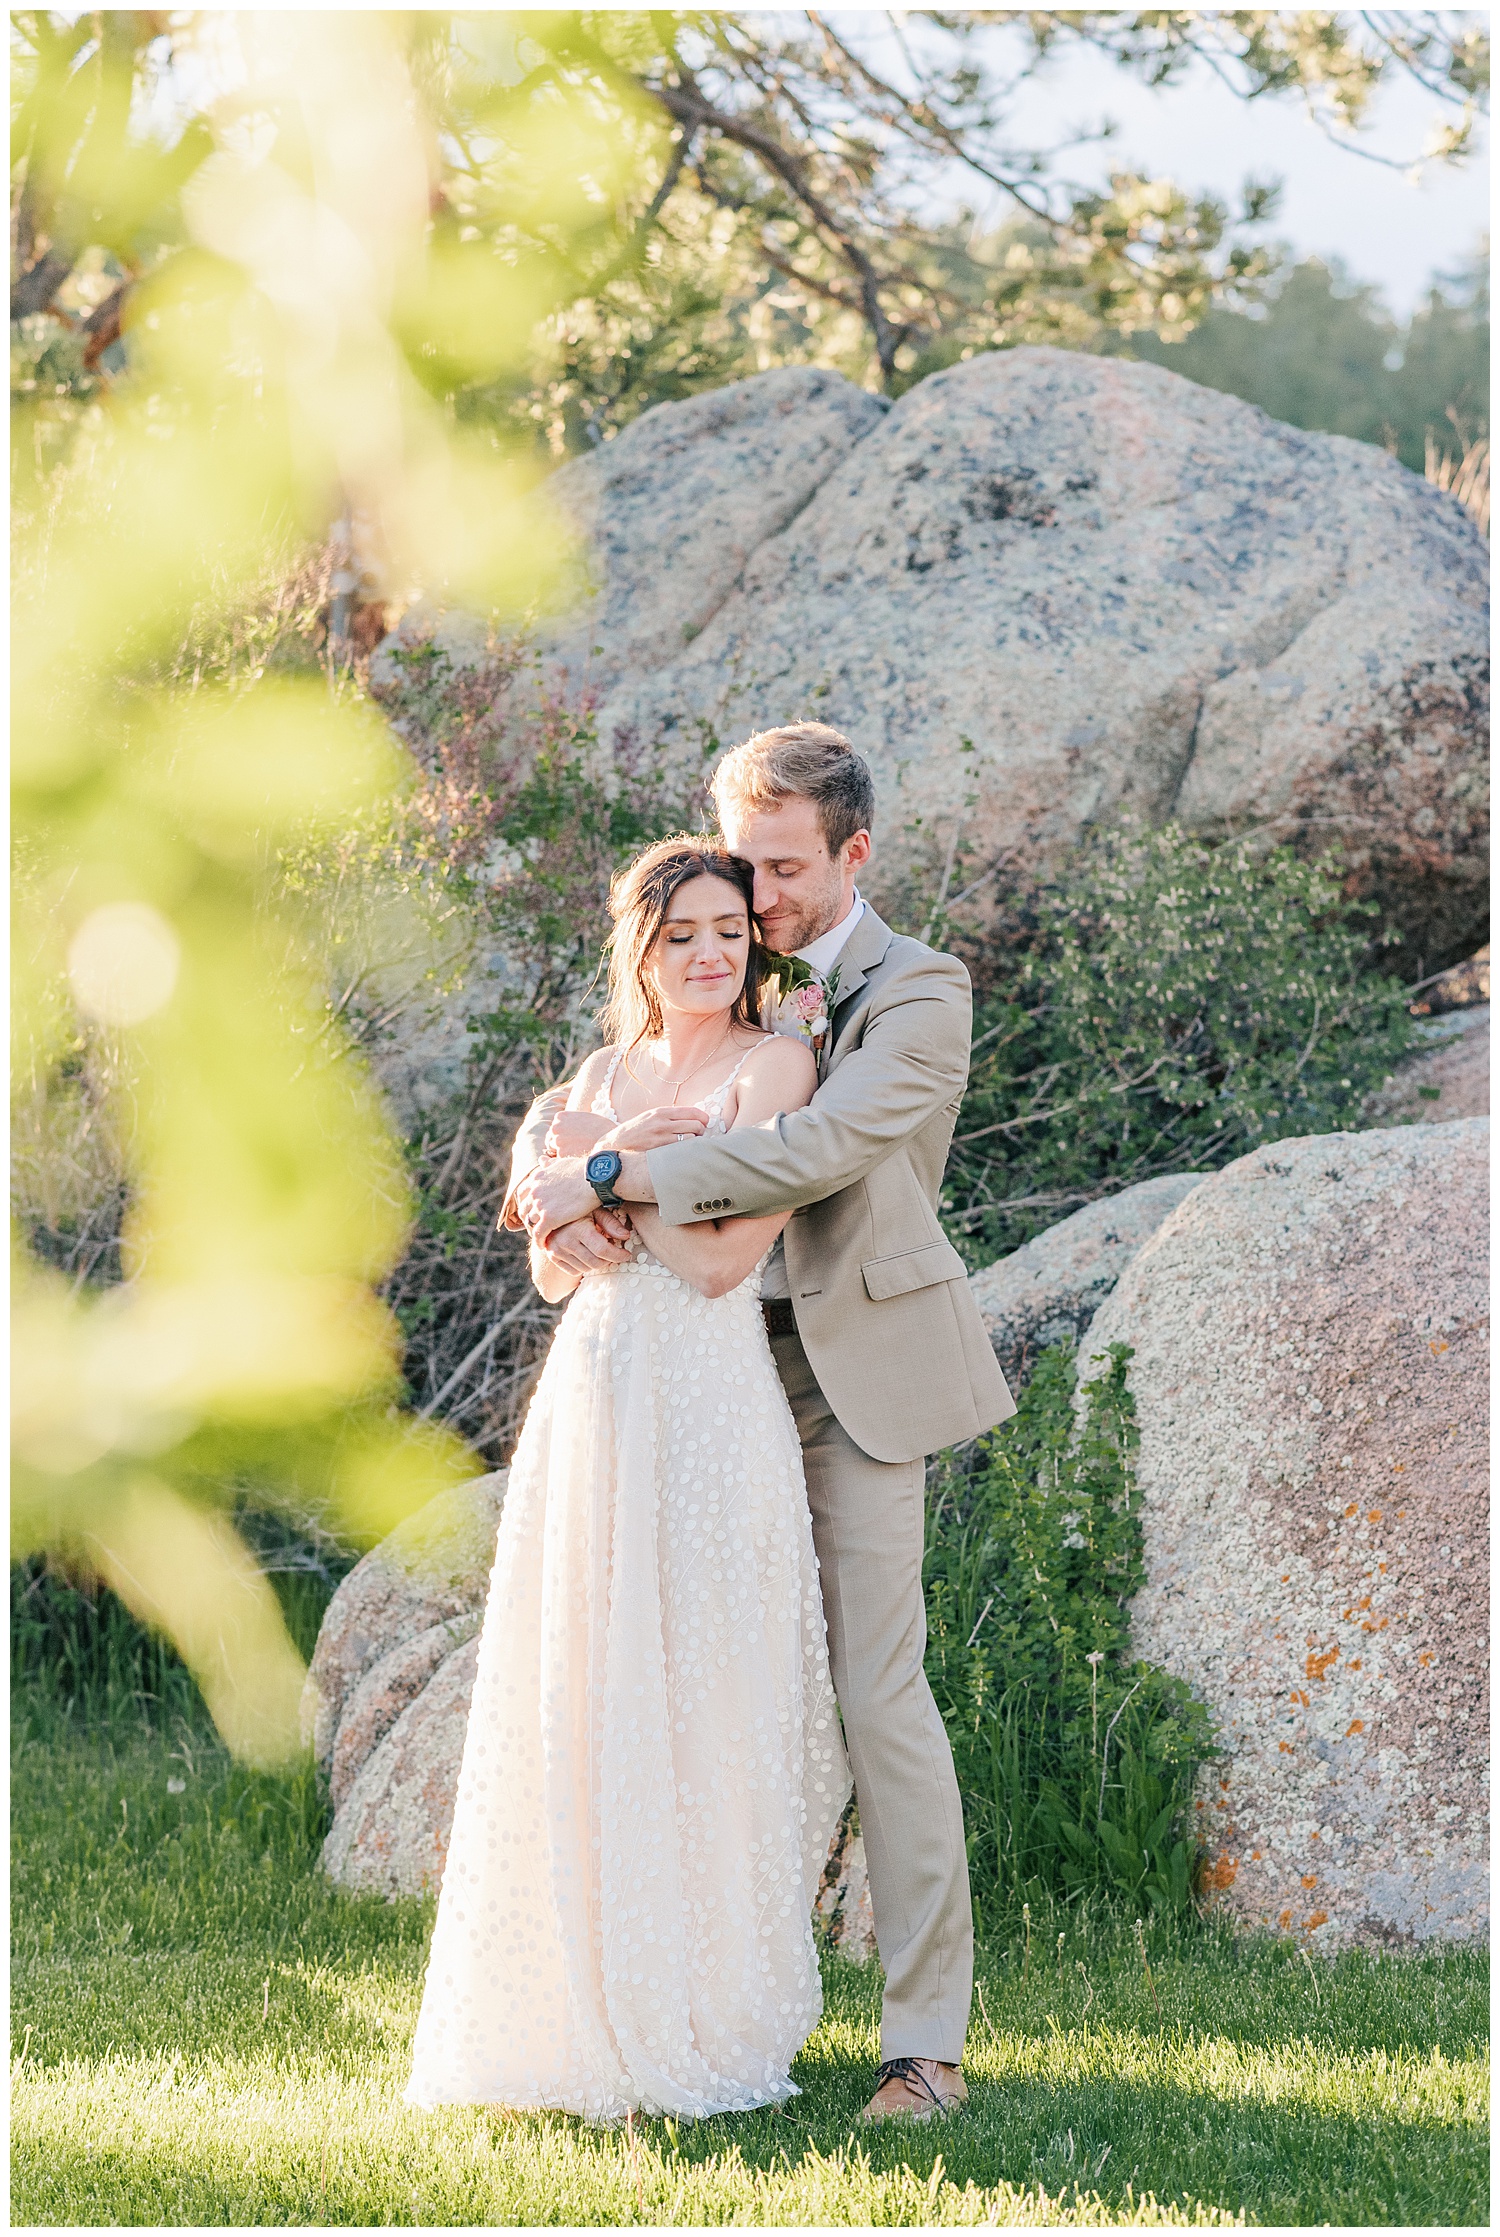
x: 691, y: 107
x: 34, y: 290
x: 102, y: 326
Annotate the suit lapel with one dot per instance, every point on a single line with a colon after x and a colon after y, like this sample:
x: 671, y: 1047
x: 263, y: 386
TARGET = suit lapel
x: 864, y: 948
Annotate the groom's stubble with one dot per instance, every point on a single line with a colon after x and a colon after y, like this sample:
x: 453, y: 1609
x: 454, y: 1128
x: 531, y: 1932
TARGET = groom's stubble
x: 801, y: 891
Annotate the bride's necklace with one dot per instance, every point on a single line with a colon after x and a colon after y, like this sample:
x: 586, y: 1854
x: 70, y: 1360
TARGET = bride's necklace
x: 664, y: 1080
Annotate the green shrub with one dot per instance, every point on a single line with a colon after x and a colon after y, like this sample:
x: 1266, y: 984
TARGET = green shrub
x: 1076, y: 1762
x: 1176, y: 1005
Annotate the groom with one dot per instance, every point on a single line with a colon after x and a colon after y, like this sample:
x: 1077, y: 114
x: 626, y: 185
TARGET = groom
x: 878, y: 1342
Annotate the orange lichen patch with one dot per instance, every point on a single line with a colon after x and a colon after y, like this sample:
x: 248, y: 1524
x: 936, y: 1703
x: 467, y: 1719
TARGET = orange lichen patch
x: 1255, y: 1856
x: 1381, y: 1567
x: 1357, y: 1726
x: 1424, y: 1659
x: 1401, y: 1467
x: 1356, y: 1664
x: 1309, y: 1879
x: 1352, y: 1508
x: 1316, y: 1836
x: 1315, y: 1918
x: 1436, y: 1348
x: 1285, y: 1746
x: 1222, y: 1872
x: 1363, y: 1603
x: 1305, y: 1699
x: 1374, y: 1515
x: 1317, y: 1664
x: 1286, y: 1580
x: 1400, y: 1514
x: 1285, y: 1919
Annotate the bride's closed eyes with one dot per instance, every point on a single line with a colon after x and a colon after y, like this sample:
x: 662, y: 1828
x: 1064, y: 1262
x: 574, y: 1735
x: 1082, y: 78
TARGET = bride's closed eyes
x: 730, y: 929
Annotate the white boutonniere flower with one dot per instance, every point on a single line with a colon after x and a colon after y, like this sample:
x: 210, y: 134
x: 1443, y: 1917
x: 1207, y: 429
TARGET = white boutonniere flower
x: 797, y: 1001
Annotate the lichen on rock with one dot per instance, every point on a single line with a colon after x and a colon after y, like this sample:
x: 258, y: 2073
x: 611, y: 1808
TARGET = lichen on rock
x: 1310, y: 1336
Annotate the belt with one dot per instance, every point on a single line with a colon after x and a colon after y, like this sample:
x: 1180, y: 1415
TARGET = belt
x: 779, y: 1318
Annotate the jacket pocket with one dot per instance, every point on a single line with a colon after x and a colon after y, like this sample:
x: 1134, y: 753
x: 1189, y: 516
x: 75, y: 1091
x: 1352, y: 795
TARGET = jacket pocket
x: 909, y: 1270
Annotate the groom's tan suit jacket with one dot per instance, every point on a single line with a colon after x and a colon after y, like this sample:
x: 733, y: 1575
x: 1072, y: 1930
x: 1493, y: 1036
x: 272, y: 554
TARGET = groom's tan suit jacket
x: 881, y: 1299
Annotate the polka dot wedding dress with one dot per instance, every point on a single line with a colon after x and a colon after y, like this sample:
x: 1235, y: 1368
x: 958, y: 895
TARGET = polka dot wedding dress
x: 653, y: 1768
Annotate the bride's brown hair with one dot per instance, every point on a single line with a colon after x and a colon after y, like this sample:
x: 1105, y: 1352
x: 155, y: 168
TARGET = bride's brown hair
x: 639, y: 898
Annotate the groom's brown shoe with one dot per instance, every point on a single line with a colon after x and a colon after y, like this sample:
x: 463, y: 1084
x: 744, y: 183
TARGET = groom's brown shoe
x: 916, y: 2089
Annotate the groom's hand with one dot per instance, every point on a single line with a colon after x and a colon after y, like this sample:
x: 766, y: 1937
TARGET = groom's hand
x: 557, y: 1190
x: 553, y: 1195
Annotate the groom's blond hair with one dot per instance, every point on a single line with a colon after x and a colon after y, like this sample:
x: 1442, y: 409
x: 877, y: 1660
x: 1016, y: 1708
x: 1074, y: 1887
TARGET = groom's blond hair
x: 800, y: 760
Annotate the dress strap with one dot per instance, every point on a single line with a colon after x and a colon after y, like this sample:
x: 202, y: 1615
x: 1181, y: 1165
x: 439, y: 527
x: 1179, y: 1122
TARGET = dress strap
x: 604, y: 1102
x: 715, y: 1101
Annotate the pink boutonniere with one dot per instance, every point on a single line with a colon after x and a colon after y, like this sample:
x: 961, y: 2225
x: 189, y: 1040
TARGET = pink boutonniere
x: 797, y: 1001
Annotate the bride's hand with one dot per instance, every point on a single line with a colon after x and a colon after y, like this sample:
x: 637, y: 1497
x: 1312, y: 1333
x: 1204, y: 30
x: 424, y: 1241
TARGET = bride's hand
x: 575, y: 1133
x: 588, y: 1246
x: 656, y: 1130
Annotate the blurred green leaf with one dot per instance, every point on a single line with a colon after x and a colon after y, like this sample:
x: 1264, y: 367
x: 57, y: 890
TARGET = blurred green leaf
x: 268, y: 388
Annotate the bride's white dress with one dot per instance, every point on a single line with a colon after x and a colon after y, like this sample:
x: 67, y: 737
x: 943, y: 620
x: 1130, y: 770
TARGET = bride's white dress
x: 653, y: 1767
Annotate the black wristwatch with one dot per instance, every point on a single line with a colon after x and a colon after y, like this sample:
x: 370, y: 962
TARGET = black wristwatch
x: 601, y: 1173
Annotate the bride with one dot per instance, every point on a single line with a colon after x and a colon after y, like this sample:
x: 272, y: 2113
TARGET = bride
x: 653, y: 1768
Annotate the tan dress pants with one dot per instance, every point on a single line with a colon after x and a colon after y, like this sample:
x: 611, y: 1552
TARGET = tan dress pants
x: 867, y: 1520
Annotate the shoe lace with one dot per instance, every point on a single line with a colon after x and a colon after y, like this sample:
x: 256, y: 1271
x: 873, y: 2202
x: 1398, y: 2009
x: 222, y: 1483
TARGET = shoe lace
x: 907, y: 2070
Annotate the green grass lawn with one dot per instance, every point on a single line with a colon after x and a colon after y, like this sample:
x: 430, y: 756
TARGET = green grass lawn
x: 205, y: 2032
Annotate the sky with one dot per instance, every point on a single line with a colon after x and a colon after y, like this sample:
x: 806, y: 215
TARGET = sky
x: 1336, y: 204
x: 1383, y: 226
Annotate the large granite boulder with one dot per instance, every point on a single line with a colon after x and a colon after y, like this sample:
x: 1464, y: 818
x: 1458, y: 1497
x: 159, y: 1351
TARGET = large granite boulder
x: 1049, y: 1290
x: 672, y: 515
x: 1044, y: 587
x: 1310, y: 1335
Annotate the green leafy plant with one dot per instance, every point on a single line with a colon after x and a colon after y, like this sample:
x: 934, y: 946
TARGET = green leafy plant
x: 1174, y: 1005
x: 1076, y: 1760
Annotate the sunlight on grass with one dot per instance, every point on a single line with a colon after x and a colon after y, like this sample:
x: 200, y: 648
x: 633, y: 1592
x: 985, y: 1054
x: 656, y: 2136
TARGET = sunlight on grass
x: 275, y: 2145
x: 1415, y: 2086
x: 205, y: 2032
